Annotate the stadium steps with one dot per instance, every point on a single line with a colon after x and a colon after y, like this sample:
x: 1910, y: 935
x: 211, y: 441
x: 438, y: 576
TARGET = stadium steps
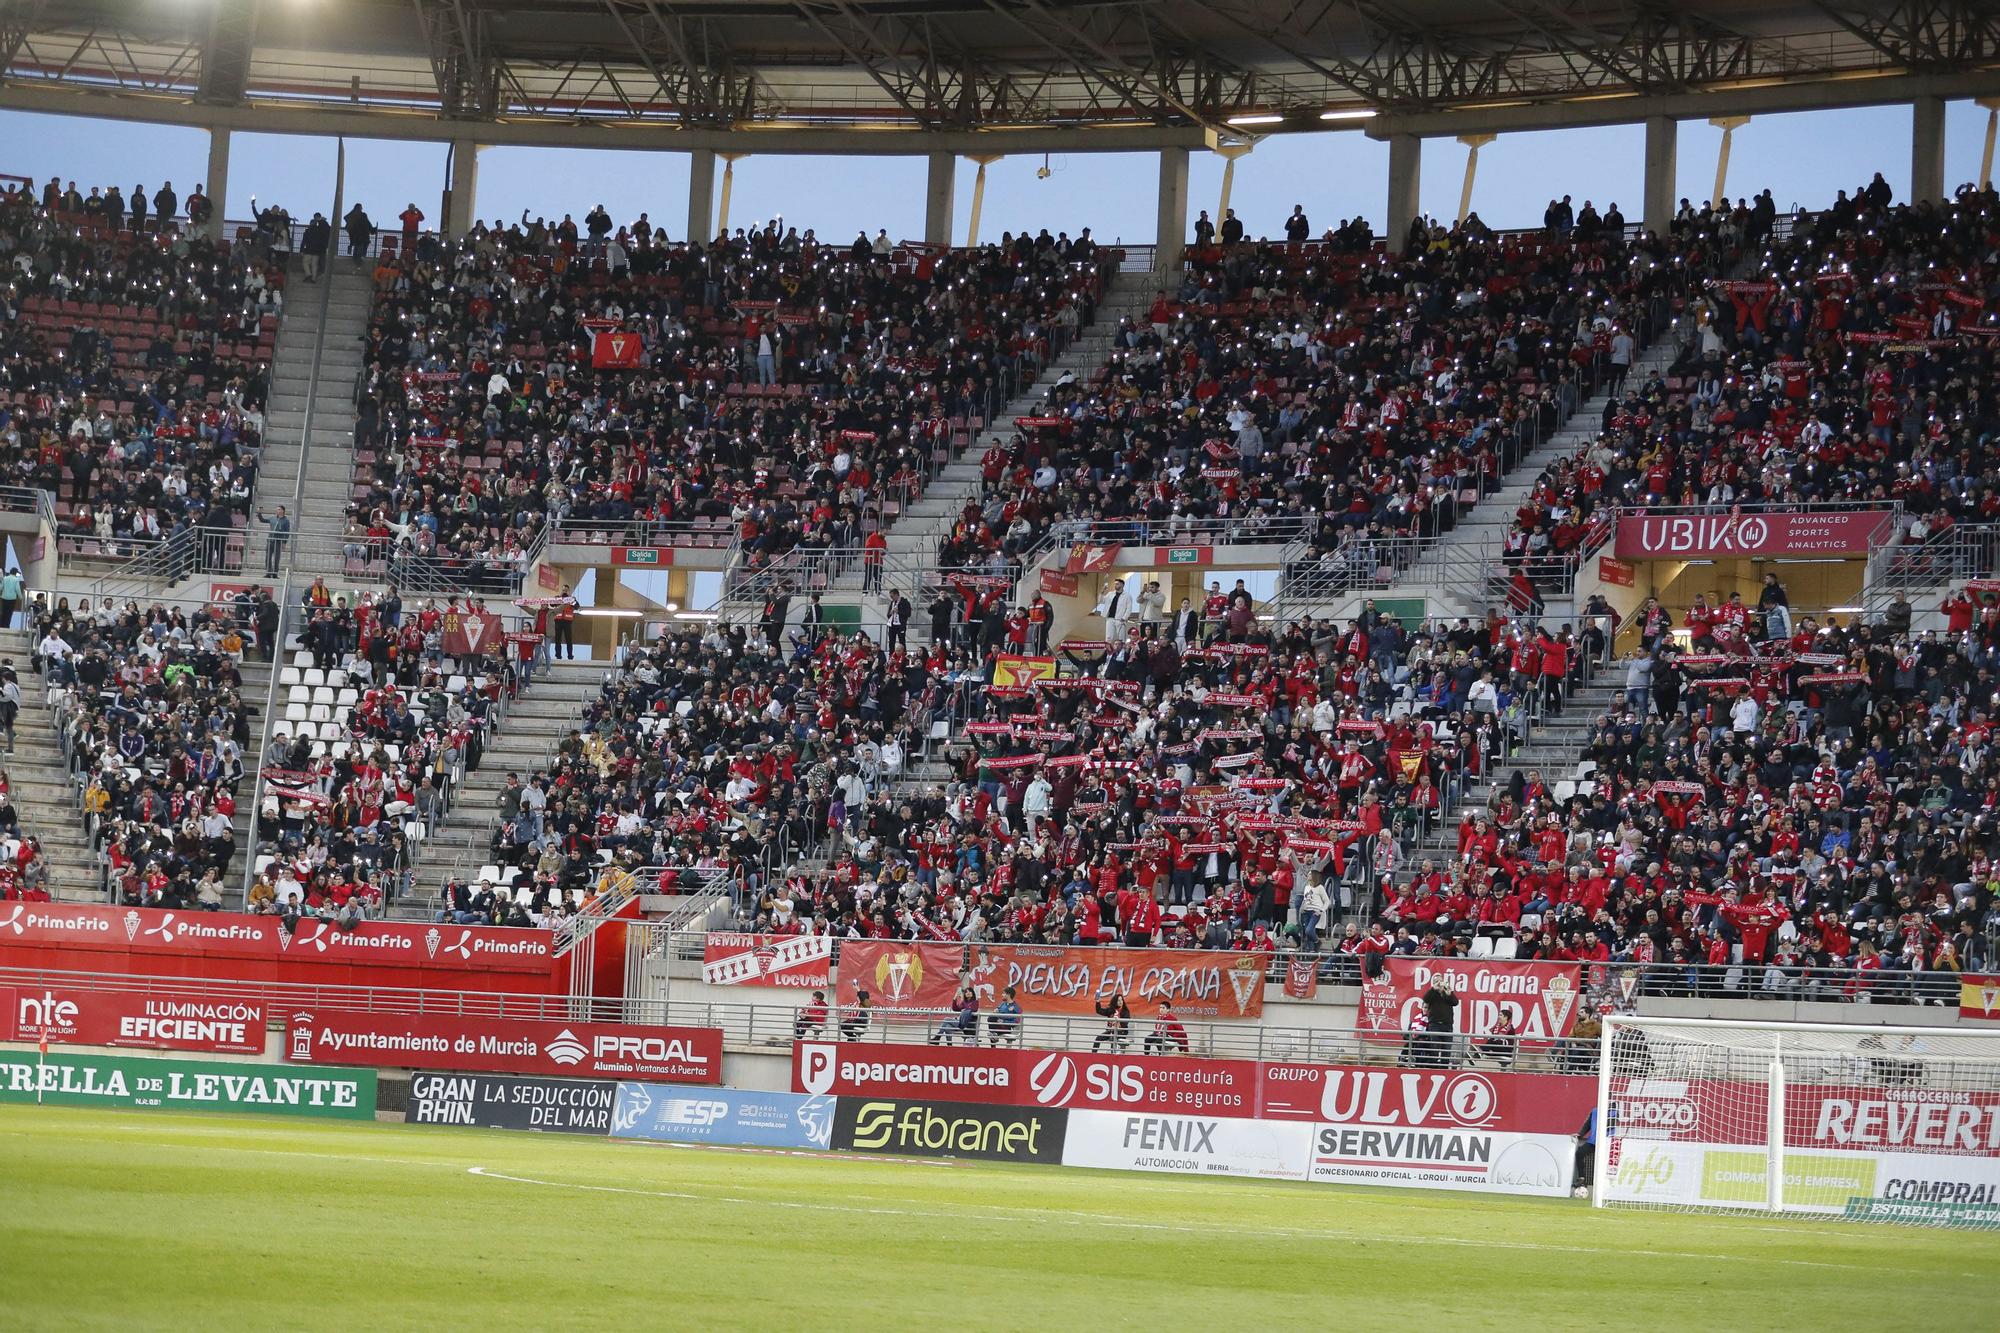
x: 1554, y: 749
x: 918, y: 531
x: 321, y: 514
x: 49, y: 797
x: 523, y: 743
x: 1440, y: 572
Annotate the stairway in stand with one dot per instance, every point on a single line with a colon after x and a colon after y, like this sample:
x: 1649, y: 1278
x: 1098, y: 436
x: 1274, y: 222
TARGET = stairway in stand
x: 50, y: 800
x: 524, y: 744
x: 321, y: 517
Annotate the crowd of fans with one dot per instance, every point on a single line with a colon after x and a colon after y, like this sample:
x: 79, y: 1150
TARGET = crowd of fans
x: 717, y: 753
x: 1850, y: 362
x: 1284, y: 382
x: 380, y: 722
x: 134, y: 363
x: 767, y: 384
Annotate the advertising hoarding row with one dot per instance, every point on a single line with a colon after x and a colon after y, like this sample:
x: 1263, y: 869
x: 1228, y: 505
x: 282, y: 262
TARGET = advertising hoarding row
x: 506, y: 1045
x: 62, y: 1015
x: 75, y: 1078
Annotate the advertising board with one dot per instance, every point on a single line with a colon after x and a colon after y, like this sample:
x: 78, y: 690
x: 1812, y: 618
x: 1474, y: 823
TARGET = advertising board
x: 722, y: 1115
x: 74, y: 1017
x: 506, y: 1045
x: 1192, y: 1145
x: 73, y: 1078
x: 949, y: 1129
x: 501, y: 1101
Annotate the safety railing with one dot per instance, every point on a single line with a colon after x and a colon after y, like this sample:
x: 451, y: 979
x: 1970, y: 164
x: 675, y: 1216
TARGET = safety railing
x: 1918, y: 560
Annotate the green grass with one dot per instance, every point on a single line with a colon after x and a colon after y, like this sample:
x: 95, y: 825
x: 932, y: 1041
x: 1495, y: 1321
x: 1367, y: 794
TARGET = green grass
x: 159, y: 1220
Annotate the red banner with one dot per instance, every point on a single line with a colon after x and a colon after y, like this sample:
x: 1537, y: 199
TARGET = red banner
x: 796, y: 961
x: 1301, y: 974
x: 469, y: 633
x: 1246, y: 1089
x: 73, y: 1017
x: 152, y: 931
x: 1945, y: 1121
x: 1426, y: 1099
x: 506, y: 1045
x: 1542, y: 999
x: 1058, y: 584
x: 1013, y: 1077
x: 1091, y: 558
x: 1054, y: 980
x: 1074, y: 981
x: 1616, y: 572
x: 1830, y: 532
x: 898, y: 975
x: 615, y: 351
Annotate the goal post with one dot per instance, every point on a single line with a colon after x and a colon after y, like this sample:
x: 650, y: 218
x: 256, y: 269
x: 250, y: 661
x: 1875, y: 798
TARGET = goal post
x: 1897, y: 1124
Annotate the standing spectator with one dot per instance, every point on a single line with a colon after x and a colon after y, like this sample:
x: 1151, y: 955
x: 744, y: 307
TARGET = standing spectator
x: 165, y: 204
x: 1118, y: 1023
x: 411, y: 218
x: 874, y: 549
x: 565, y: 622
x: 11, y: 592
x: 1622, y: 351
x: 139, y: 205
x: 200, y: 209
x: 280, y: 525
x: 1297, y: 229
x: 313, y: 245
x: 360, y: 232
x: 1440, y: 1017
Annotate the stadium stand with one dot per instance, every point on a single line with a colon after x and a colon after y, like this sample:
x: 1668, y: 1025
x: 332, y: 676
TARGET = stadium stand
x: 820, y: 385
x: 136, y: 367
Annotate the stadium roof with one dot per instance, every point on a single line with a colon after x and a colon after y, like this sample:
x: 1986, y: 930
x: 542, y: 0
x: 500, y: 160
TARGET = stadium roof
x: 952, y: 74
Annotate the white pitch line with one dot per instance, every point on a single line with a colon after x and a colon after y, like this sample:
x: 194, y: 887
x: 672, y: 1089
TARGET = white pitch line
x: 1104, y: 1219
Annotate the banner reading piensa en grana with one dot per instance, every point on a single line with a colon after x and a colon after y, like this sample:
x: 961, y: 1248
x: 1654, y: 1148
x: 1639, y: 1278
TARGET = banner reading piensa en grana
x: 1054, y: 980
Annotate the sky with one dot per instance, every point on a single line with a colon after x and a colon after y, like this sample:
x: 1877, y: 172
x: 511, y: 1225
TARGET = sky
x: 1803, y: 158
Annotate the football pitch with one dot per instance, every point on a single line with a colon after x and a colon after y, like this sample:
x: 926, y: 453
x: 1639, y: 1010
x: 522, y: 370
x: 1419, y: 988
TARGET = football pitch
x: 162, y: 1220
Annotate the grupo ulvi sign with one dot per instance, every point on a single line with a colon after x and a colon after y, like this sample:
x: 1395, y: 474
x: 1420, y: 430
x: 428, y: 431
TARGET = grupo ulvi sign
x: 507, y: 1045
x: 948, y: 1129
x: 1817, y: 533
x: 498, y: 1101
x: 68, y: 1078
x: 118, y: 1018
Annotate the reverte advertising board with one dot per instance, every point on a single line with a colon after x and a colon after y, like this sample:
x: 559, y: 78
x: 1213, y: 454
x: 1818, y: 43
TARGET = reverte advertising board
x: 500, y: 1101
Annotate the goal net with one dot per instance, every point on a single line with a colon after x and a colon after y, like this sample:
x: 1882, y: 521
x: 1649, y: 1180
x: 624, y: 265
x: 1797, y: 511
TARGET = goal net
x: 1865, y: 1123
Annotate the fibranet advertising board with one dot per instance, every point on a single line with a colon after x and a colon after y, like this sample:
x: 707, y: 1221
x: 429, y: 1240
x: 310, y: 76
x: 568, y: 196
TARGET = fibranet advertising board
x: 949, y: 1129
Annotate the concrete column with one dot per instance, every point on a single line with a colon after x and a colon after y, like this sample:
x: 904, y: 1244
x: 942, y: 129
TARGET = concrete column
x: 1473, y: 143
x: 1406, y: 160
x: 729, y: 161
x: 1719, y: 196
x: 978, y: 197
x: 938, y: 198
x: 1229, y: 153
x: 463, y: 210
x: 1992, y: 105
x: 1662, y: 165
x: 701, y: 195
x: 1927, y: 150
x: 1172, y: 232
x: 216, y: 187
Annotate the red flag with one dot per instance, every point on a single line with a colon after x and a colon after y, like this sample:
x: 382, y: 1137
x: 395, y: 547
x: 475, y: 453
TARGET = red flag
x: 1301, y: 979
x: 616, y: 350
